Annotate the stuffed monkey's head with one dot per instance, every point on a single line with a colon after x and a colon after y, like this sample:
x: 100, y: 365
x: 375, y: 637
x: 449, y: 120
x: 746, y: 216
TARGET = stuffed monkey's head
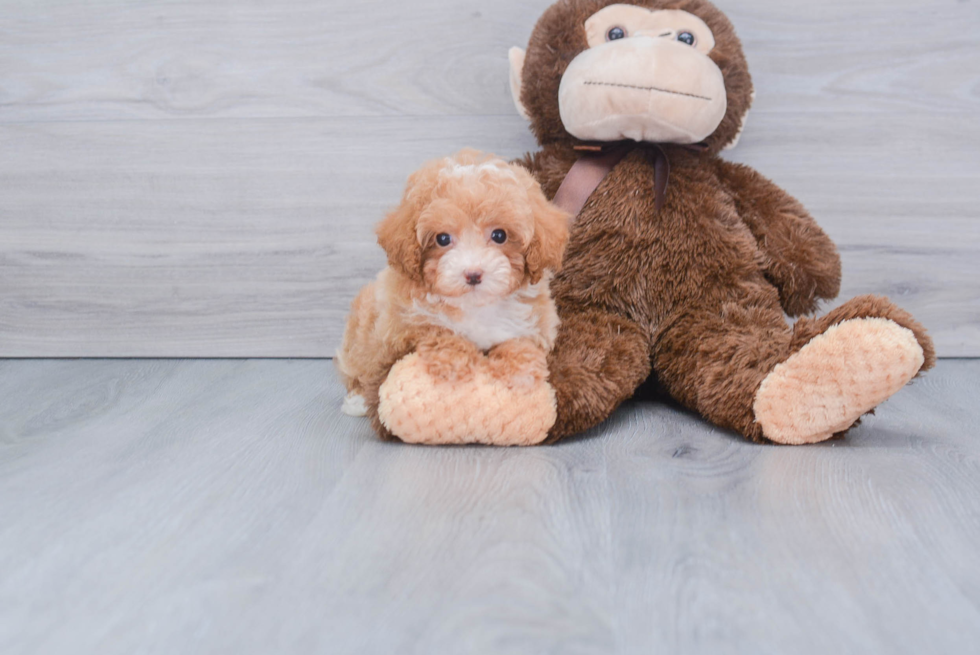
x: 661, y: 71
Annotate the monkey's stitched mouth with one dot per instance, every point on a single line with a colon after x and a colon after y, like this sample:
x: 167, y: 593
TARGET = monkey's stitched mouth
x: 646, y: 88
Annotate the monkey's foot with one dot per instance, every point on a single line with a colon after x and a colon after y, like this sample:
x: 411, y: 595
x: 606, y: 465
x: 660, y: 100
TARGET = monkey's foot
x: 835, y: 378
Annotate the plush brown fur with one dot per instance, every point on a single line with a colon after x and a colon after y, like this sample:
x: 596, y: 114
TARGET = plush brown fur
x: 696, y: 292
x: 422, y: 301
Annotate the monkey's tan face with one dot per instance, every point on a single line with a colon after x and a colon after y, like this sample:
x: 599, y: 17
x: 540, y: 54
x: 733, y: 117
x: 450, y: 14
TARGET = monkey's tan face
x: 645, y: 76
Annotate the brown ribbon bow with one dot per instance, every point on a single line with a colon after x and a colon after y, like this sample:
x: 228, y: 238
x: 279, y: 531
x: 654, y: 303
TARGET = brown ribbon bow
x: 591, y: 168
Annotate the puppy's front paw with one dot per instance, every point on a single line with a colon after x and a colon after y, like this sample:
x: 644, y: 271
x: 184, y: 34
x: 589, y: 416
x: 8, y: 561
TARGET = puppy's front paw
x: 518, y: 363
x: 449, y: 360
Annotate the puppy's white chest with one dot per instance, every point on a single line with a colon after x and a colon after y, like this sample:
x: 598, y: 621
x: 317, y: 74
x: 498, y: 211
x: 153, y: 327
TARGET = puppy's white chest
x: 488, y: 325
x: 492, y: 324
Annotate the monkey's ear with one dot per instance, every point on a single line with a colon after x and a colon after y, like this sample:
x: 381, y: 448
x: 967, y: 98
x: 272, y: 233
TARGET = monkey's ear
x: 516, y: 56
x: 741, y: 125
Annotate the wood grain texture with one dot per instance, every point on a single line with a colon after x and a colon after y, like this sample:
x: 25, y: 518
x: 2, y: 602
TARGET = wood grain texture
x: 228, y: 507
x: 199, y: 179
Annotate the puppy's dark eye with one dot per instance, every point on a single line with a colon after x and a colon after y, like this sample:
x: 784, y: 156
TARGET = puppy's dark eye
x: 686, y: 37
x: 615, y: 33
x: 443, y: 239
x: 498, y: 236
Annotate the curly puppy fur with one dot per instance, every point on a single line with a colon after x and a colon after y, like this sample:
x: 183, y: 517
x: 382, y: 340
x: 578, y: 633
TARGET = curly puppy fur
x: 694, y: 294
x: 455, y: 289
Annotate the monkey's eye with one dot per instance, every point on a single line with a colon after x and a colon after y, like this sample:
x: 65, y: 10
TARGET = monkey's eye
x: 686, y: 37
x: 498, y: 236
x: 615, y: 33
x: 443, y: 239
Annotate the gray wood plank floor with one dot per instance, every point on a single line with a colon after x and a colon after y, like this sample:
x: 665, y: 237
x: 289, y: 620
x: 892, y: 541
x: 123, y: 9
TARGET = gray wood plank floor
x: 228, y: 507
x: 200, y: 178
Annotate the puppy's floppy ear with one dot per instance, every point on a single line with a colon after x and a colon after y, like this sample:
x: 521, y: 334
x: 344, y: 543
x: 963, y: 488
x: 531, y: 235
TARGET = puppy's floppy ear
x: 398, y: 232
x: 547, y: 246
x: 397, y: 235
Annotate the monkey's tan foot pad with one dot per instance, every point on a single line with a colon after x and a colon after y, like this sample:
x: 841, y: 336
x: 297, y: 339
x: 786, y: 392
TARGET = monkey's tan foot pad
x: 835, y: 378
x: 418, y: 409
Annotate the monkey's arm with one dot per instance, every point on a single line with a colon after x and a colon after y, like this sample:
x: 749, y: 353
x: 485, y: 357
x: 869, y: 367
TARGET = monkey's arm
x: 800, y: 259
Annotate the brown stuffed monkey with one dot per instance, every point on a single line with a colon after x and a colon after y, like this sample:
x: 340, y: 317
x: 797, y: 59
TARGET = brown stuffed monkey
x: 681, y: 265
x: 692, y: 289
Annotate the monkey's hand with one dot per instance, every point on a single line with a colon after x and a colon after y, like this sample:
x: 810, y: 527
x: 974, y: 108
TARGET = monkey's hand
x: 799, y: 259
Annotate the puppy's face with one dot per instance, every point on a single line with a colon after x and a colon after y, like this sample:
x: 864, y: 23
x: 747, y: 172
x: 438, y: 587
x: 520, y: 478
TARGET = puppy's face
x: 474, y: 226
x: 473, y: 246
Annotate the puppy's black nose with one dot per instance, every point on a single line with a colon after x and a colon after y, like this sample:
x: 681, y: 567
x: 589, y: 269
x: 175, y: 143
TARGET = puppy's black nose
x: 473, y: 278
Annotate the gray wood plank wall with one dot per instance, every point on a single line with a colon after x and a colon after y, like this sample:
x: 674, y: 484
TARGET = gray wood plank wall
x: 200, y: 179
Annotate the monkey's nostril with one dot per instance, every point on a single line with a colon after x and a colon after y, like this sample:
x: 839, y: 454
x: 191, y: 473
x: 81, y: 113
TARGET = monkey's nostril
x: 474, y: 278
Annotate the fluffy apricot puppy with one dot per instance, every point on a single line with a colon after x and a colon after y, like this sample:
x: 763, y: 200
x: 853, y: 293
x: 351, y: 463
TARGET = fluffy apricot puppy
x: 471, y: 249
